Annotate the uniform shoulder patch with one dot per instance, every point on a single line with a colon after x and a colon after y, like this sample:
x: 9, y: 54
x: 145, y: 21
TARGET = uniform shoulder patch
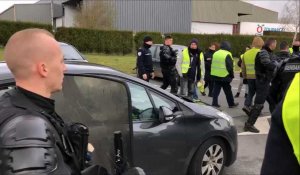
x: 292, y: 67
x: 139, y: 53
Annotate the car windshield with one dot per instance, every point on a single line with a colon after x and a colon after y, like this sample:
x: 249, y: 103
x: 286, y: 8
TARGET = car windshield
x: 70, y: 53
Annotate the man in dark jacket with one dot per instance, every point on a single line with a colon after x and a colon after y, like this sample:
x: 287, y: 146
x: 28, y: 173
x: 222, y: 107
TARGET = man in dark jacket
x: 168, y: 58
x: 280, y: 82
x: 144, y: 60
x: 285, y: 74
x: 207, y: 59
x: 222, y: 74
x: 282, y: 155
x: 265, y: 67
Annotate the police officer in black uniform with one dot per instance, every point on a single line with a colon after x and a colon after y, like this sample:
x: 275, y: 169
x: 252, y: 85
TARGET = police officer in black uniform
x: 33, y: 137
x: 207, y: 59
x: 286, y: 73
x: 168, y: 58
x: 144, y: 60
x: 265, y: 67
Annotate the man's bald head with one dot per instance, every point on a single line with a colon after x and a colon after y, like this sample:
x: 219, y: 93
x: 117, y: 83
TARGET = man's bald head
x: 26, y: 48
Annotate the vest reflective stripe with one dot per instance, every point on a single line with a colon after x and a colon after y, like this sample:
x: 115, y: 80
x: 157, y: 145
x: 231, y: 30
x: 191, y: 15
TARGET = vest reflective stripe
x: 249, y: 61
x: 185, y: 65
x: 218, y: 65
x: 291, y: 115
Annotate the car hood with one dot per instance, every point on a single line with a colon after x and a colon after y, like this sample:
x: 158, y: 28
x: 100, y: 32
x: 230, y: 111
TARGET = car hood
x: 203, y: 109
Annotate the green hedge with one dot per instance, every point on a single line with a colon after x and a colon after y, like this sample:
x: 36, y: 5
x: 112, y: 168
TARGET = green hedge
x: 139, y: 37
x: 7, y: 28
x: 123, y: 42
x: 88, y: 40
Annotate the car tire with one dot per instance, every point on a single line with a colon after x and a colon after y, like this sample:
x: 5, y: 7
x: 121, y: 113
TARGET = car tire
x: 209, y: 158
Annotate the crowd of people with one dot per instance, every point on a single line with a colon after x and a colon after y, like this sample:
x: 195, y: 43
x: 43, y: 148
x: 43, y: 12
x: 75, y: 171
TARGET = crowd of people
x: 265, y: 74
x: 268, y: 76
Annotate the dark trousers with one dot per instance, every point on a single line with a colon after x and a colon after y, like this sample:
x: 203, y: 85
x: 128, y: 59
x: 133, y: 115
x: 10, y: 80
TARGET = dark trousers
x: 169, y: 78
x: 210, y: 85
x: 262, y: 91
x: 251, y: 92
x: 227, y: 90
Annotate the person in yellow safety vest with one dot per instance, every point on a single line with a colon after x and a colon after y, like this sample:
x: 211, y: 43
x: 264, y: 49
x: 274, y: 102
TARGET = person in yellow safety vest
x: 248, y: 71
x: 222, y: 74
x: 282, y: 155
x: 242, y: 80
x: 189, y: 69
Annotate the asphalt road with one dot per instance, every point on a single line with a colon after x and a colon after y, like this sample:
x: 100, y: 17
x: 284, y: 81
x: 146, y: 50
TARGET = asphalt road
x: 251, y: 147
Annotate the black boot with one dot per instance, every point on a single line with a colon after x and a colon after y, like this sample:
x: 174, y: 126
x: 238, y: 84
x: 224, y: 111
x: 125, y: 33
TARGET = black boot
x: 247, y: 110
x: 250, y: 128
x: 254, y: 113
x: 237, y: 95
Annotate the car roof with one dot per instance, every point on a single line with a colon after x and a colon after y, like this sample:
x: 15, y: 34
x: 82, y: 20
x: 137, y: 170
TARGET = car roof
x: 85, y: 68
x: 63, y: 44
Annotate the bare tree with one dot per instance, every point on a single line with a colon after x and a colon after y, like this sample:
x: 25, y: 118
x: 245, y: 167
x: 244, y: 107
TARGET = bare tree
x: 95, y: 14
x: 291, y: 16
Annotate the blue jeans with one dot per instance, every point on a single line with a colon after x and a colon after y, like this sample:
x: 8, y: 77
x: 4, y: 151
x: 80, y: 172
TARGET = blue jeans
x: 251, y: 92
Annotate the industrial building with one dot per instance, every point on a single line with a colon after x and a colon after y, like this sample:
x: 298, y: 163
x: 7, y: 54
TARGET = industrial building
x: 166, y: 16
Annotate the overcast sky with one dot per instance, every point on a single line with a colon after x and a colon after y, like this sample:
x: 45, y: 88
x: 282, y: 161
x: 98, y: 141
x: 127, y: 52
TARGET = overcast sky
x: 275, y: 5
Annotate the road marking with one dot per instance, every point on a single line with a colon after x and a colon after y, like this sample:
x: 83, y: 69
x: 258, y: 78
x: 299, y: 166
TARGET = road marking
x: 261, y: 124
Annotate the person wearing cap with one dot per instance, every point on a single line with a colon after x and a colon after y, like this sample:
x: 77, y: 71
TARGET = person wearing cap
x: 222, y: 74
x: 189, y: 69
x: 144, y: 60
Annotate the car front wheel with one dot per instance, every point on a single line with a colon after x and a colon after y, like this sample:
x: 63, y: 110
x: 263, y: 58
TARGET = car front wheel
x: 209, y: 159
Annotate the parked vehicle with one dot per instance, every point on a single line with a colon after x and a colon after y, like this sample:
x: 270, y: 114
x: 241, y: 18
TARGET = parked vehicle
x: 162, y: 134
x: 155, y: 49
x: 71, y: 53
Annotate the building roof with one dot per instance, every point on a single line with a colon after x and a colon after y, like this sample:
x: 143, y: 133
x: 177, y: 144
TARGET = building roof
x: 231, y: 12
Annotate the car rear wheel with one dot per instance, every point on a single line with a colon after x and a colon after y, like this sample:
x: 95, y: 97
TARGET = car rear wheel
x: 209, y: 159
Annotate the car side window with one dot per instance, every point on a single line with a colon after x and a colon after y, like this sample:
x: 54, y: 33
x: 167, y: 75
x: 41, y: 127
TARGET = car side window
x: 142, y: 108
x: 103, y: 106
x: 157, y: 52
x: 162, y: 101
x: 152, y: 49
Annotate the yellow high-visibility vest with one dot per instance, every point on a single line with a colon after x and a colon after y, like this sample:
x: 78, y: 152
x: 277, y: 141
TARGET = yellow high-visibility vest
x: 291, y: 115
x: 218, y: 65
x: 185, y: 65
x: 249, y: 61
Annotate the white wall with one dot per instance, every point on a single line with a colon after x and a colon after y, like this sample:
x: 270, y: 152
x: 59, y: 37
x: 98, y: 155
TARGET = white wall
x: 252, y: 28
x: 59, y: 22
x: 68, y: 19
x: 211, y: 28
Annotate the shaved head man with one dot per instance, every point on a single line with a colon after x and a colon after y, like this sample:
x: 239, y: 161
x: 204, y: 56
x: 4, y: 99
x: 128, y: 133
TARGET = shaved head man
x: 31, y: 132
x: 36, y: 61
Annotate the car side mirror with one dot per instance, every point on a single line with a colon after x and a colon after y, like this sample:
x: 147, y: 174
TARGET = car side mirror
x: 165, y: 114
